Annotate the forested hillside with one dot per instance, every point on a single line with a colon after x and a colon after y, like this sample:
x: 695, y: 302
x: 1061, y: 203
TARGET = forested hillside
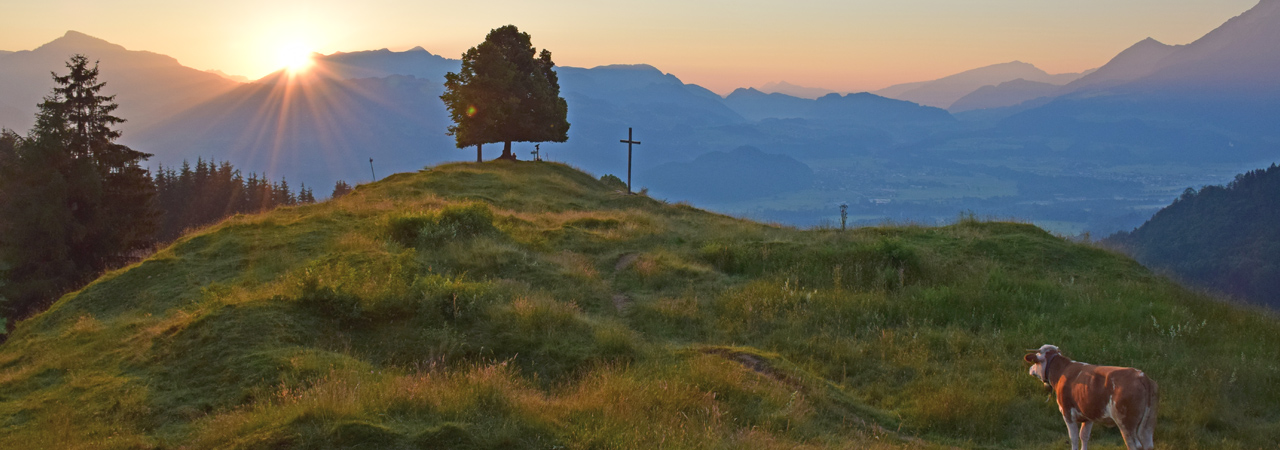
x: 1225, y: 238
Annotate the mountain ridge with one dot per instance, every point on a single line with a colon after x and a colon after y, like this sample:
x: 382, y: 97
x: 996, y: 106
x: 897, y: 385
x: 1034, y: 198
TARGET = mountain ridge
x: 783, y: 87
x: 1009, y: 93
x: 943, y: 92
x: 148, y: 86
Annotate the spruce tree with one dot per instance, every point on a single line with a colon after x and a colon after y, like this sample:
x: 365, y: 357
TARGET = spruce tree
x: 305, y: 196
x: 340, y: 188
x: 283, y: 196
x: 72, y: 202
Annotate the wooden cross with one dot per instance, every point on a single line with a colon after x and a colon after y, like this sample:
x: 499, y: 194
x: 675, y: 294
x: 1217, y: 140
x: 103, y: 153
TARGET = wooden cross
x: 629, y: 142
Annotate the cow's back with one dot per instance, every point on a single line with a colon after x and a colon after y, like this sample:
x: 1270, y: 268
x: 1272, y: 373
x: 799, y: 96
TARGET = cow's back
x: 1089, y: 391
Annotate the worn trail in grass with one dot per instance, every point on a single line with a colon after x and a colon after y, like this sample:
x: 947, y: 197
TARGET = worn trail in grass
x: 528, y: 305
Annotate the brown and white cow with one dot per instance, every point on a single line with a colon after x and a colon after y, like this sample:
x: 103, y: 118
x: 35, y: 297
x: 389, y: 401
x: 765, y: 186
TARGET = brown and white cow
x: 1112, y: 396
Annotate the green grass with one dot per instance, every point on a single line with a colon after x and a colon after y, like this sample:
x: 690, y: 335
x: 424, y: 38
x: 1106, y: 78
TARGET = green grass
x: 528, y: 305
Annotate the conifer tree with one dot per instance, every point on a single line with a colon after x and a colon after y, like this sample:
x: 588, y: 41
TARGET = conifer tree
x: 305, y: 196
x: 74, y: 201
x: 340, y: 188
x: 282, y: 196
x: 211, y: 191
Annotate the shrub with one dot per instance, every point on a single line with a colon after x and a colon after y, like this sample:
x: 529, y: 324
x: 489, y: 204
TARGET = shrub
x: 452, y: 222
x: 613, y: 182
x: 595, y: 223
x: 455, y: 299
x: 407, y: 229
x: 458, y: 221
x: 328, y: 302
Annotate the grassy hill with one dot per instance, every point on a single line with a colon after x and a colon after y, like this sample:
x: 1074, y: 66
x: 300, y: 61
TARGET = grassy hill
x: 528, y: 305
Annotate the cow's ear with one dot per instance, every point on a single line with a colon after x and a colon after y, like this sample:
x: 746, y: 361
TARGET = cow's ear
x: 1031, y: 358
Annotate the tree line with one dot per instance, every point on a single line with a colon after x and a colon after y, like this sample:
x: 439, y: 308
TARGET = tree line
x: 73, y: 202
x: 190, y: 197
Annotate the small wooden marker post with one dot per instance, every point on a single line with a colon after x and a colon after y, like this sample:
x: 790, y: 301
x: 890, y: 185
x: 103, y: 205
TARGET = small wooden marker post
x: 629, y: 141
x: 844, y: 215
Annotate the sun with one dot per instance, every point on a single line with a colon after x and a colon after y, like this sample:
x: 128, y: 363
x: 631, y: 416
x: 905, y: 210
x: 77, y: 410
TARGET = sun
x: 295, y: 57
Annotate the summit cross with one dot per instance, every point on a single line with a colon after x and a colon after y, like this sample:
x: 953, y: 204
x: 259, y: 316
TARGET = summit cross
x: 629, y: 141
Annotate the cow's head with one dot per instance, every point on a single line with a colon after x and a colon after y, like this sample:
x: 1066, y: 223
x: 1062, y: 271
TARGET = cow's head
x: 1040, y: 360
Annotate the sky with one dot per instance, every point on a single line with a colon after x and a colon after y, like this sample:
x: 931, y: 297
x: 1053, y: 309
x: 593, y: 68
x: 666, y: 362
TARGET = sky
x: 843, y: 45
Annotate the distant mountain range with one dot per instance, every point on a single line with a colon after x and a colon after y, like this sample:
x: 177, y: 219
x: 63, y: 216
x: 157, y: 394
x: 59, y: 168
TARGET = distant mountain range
x: 1009, y: 93
x: 783, y: 87
x: 417, y: 62
x: 1237, y: 62
x: 944, y: 92
x: 1242, y: 55
x: 862, y: 108
x: 1226, y: 83
x: 235, y: 78
x: 148, y: 86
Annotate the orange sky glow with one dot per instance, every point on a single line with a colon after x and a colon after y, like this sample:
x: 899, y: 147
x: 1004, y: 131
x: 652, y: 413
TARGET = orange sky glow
x: 847, y: 45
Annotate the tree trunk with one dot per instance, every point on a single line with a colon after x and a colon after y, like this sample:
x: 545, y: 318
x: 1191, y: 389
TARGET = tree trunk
x: 479, y: 152
x: 506, y: 151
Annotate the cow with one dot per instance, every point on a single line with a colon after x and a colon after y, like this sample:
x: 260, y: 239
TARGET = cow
x: 1113, y: 396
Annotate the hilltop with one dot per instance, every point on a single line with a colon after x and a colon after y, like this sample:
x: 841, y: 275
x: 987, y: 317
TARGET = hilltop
x: 529, y: 305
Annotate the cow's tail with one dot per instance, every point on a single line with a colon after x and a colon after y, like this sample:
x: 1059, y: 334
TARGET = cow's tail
x: 1147, y: 427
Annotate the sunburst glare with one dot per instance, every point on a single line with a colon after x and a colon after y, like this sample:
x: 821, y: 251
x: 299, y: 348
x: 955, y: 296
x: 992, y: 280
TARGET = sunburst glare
x: 295, y: 57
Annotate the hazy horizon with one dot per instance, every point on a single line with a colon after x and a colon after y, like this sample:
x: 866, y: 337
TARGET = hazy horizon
x: 712, y: 45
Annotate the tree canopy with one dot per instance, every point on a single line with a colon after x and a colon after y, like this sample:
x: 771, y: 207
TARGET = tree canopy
x: 506, y: 91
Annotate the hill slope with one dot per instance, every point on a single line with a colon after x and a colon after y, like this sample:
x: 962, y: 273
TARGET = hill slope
x: 527, y: 305
x: 1222, y: 238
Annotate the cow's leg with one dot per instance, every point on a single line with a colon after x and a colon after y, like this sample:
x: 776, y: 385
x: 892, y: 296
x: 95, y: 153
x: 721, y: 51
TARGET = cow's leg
x: 1086, y: 429
x: 1148, y: 431
x: 1130, y: 426
x: 1073, y: 430
x: 1130, y: 439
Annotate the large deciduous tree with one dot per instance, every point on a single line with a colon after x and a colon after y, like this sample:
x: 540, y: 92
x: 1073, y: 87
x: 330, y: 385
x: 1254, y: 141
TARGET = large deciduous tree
x: 72, y: 201
x: 505, y: 92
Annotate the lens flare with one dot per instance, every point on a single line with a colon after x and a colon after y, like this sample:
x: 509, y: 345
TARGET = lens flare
x: 471, y: 111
